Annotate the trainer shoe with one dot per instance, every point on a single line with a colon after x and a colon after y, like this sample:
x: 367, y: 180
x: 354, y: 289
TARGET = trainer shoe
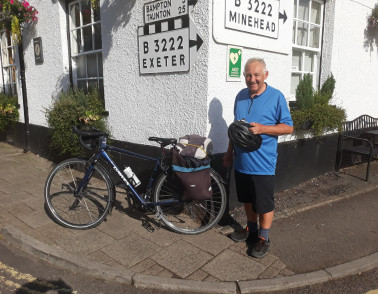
x: 261, y: 248
x: 245, y: 235
x: 240, y: 235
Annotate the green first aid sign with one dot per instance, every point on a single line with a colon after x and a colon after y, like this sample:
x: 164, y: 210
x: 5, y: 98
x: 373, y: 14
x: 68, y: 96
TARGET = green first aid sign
x: 234, y: 62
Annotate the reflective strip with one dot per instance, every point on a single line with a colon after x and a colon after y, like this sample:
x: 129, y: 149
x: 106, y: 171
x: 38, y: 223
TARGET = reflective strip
x: 189, y: 169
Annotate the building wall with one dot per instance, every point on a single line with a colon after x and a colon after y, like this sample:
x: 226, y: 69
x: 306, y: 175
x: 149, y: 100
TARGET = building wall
x: 201, y: 100
x: 353, y: 63
x: 44, y: 81
x: 140, y: 106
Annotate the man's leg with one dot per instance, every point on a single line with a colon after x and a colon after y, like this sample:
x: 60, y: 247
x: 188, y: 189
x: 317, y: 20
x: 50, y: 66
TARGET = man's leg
x: 266, y: 220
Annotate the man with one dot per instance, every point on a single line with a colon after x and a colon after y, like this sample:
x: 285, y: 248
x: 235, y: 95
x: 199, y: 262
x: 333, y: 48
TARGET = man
x: 265, y: 109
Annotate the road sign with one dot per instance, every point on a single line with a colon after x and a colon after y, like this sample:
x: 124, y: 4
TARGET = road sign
x: 258, y: 24
x: 164, y: 9
x: 170, y: 44
x: 164, y: 52
x: 253, y: 16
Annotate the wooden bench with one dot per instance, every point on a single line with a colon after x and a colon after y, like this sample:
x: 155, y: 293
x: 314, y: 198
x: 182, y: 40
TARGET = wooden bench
x: 355, y: 139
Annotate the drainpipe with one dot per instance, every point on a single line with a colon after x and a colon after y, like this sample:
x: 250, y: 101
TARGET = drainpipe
x: 24, y: 95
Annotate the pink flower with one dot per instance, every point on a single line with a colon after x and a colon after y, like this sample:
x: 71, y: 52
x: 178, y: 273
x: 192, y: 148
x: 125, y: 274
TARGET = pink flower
x: 11, y: 1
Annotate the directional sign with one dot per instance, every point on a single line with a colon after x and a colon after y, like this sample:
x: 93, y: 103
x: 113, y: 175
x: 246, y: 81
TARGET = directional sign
x: 257, y: 24
x: 253, y: 16
x: 164, y: 9
x: 169, y: 41
x: 164, y: 52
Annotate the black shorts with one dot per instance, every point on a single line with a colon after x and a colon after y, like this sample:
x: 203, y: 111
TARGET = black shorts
x: 255, y: 189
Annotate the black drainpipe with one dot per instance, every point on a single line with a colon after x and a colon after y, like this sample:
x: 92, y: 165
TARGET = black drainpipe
x: 24, y: 95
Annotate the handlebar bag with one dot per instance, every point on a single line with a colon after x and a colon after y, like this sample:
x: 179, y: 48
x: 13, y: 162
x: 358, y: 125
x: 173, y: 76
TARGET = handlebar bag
x: 191, y: 167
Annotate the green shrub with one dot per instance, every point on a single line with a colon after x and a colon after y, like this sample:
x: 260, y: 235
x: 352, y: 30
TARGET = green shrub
x: 8, y: 112
x: 74, y: 108
x: 305, y: 93
x: 319, y: 117
x: 327, y: 89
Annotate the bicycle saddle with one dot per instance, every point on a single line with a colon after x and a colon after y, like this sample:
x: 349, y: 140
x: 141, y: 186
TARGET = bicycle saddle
x: 163, y: 141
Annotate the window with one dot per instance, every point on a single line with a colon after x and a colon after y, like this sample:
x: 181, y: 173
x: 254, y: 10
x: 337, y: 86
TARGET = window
x: 86, y: 45
x: 306, y: 39
x: 8, y: 63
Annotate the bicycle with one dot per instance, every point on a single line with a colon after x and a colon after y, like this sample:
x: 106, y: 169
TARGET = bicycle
x: 80, y: 193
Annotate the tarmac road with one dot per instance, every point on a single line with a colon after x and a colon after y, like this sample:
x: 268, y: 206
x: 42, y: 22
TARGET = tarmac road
x: 328, y: 235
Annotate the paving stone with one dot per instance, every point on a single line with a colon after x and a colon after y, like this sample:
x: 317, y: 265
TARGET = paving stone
x: 154, y: 270
x: 118, y: 225
x: 35, y: 219
x: 182, y: 258
x: 166, y: 274
x: 52, y: 233
x: 18, y: 209
x: 84, y: 242
x: 279, y: 265
x: 37, y: 204
x: 232, y: 266
x: 160, y: 236
x: 131, y: 250
x: 11, y: 188
x: 14, y: 197
x: 37, y: 191
x: 269, y: 273
x: 211, y: 278
x: 268, y: 260
x: 210, y: 241
x: 199, y: 275
x: 143, y: 265
x: 99, y: 256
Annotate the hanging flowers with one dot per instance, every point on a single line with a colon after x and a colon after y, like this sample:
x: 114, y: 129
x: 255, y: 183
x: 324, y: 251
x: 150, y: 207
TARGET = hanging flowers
x: 15, y: 13
x: 94, y: 3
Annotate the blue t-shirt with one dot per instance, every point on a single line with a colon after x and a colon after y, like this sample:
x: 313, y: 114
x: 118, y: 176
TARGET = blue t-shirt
x: 268, y: 108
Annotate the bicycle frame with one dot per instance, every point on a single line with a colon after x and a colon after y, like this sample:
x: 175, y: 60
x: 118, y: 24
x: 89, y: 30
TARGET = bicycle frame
x: 101, y: 153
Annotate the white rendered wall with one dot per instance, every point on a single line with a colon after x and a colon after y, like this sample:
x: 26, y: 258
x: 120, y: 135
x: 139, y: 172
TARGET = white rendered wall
x: 201, y: 100
x: 140, y: 106
x: 354, y: 66
x: 44, y: 81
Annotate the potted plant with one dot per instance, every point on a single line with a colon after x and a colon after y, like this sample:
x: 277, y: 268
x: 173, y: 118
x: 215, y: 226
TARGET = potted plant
x: 8, y: 114
x: 313, y: 112
x: 74, y: 108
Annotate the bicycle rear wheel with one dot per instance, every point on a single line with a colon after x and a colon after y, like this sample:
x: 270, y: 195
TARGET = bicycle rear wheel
x: 192, y: 216
x: 88, y: 208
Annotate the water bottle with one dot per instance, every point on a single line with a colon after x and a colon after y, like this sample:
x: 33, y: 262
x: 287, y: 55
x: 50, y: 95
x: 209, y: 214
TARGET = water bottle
x: 131, y: 176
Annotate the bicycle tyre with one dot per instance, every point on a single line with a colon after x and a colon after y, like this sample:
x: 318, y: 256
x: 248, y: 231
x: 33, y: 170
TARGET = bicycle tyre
x: 90, y: 207
x: 193, y: 216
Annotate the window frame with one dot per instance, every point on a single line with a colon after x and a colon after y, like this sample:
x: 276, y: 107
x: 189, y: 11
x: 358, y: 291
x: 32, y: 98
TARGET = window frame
x: 87, y: 78
x: 316, y: 51
x: 9, y: 70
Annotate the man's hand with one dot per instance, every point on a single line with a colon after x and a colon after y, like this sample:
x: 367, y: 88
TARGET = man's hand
x: 277, y: 130
x: 256, y: 128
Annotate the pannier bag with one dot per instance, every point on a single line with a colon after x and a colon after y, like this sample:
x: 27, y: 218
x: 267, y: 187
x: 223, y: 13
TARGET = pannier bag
x: 191, y: 167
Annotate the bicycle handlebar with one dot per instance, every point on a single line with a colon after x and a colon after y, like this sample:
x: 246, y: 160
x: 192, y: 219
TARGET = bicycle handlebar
x: 93, y: 135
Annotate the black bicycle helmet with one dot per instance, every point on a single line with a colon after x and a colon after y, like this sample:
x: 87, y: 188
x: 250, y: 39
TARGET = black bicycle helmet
x: 240, y: 135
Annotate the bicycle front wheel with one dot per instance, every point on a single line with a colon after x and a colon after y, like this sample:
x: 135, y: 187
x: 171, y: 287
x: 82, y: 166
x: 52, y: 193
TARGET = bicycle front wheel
x: 86, y: 209
x: 192, y: 216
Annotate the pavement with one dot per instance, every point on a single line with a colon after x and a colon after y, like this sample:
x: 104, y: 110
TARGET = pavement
x: 315, y: 238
